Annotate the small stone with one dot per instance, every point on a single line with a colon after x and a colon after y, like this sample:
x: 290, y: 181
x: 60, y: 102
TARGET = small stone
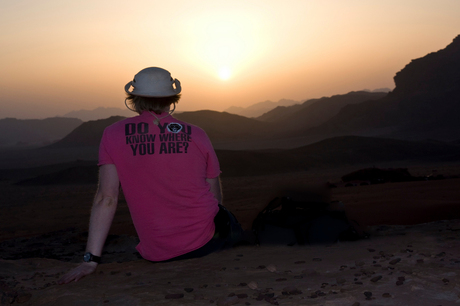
x: 399, y: 283
x: 356, y: 304
x: 367, y: 294
x: 281, y: 279
x: 188, y: 289
x: 174, y: 296
x: 298, y: 277
x: 299, y: 262
x: 445, y: 280
x: 376, y: 278
x: 242, y: 285
x: 253, y: 285
x: 317, y: 259
x: 291, y: 291
x: 386, y: 295
x: 242, y: 296
x: 395, y: 261
x: 128, y: 274
x: 271, y: 268
x: 371, y: 250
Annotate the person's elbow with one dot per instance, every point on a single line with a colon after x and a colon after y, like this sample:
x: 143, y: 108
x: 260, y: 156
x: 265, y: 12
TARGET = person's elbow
x: 106, y: 201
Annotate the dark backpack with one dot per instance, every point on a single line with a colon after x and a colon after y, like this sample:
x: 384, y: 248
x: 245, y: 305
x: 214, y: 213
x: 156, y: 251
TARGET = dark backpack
x: 288, y: 222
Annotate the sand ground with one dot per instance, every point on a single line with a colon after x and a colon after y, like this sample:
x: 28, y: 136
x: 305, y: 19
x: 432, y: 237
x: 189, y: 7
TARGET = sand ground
x: 411, y: 258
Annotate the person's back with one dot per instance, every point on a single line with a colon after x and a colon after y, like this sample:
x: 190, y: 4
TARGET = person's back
x: 162, y: 170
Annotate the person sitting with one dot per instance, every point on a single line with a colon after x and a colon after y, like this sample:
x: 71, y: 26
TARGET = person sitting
x: 169, y: 174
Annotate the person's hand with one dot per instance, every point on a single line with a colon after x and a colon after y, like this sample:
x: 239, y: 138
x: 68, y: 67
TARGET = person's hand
x: 79, y: 272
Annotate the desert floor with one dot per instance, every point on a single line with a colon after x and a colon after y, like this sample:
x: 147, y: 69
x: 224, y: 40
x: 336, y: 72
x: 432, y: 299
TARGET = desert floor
x: 411, y: 258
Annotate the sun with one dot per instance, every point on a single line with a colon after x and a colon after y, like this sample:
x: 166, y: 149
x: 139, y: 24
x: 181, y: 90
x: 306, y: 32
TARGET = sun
x: 223, y: 45
x: 224, y: 73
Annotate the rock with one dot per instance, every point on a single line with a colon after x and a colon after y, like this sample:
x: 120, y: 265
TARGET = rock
x: 395, y: 261
x: 253, y: 285
x: 291, y: 291
x: 317, y: 259
x: 376, y: 278
x: 271, y: 268
x: 386, y: 295
x: 359, y: 263
x: 188, y: 289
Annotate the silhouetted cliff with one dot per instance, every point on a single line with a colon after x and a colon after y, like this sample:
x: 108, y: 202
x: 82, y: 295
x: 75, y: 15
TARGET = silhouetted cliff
x: 425, y: 103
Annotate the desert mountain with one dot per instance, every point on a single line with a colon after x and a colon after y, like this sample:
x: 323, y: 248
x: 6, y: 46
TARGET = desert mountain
x: 423, y: 105
x: 99, y: 113
x: 222, y: 126
x: 260, y: 108
x: 35, y: 132
x: 316, y: 111
x: 87, y: 134
x: 219, y: 127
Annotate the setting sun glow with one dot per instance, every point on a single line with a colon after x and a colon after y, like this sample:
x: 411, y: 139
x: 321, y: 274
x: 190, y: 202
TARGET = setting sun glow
x: 76, y: 55
x: 225, y: 73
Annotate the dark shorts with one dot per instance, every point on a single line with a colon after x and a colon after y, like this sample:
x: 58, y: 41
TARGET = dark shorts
x: 228, y: 232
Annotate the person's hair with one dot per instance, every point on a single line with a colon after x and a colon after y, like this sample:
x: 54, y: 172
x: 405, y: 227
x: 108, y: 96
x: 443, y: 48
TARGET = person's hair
x: 157, y: 105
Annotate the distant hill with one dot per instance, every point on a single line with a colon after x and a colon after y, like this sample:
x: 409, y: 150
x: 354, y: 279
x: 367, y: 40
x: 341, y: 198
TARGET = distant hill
x: 260, y: 108
x: 316, y: 111
x: 100, y: 113
x: 87, y: 134
x: 385, y: 89
x: 219, y: 127
x: 34, y: 132
x: 222, y: 126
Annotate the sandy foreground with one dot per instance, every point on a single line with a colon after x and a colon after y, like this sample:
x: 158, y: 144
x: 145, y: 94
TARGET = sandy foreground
x: 411, y: 258
x: 399, y: 265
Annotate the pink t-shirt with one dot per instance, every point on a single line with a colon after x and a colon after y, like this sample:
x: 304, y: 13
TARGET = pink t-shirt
x: 162, y: 171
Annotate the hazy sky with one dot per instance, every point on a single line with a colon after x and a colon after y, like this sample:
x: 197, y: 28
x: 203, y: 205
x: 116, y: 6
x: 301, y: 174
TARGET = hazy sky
x: 57, y: 56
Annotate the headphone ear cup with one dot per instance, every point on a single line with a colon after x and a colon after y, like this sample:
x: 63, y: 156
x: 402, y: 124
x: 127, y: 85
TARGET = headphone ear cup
x: 177, y: 85
x: 127, y: 86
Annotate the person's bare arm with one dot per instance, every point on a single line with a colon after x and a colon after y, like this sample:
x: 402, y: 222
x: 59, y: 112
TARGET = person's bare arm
x: 216, y: 188
x: 102, y: 212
